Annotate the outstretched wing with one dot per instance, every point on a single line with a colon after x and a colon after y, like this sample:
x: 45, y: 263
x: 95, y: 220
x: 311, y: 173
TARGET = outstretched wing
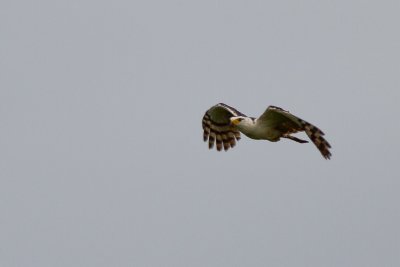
x: 217, y: 127
x: 286, y: 123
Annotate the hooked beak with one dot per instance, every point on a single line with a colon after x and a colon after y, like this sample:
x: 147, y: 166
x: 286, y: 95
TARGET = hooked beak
x: 235, y: 121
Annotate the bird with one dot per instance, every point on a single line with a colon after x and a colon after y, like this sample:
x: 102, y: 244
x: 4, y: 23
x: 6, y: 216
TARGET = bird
x: 222, y: 124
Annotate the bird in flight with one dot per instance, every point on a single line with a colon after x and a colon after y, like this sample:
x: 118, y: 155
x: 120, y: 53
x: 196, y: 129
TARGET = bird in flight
x: 223, y: 124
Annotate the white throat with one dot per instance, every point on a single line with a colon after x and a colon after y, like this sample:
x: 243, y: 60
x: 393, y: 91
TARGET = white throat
x: 248, y: 127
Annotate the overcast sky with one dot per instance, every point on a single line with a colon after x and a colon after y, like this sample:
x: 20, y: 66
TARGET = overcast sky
x: 102, y: 161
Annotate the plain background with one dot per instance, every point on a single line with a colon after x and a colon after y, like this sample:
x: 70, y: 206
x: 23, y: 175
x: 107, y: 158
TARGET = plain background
x: 102, y: 161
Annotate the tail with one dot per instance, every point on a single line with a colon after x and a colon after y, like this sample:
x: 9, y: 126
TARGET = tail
x: 298, y: 140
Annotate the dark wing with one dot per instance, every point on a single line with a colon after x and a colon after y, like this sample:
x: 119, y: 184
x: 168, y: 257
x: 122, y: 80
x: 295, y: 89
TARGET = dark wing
x: 287, y: 124
x: 217, y: 127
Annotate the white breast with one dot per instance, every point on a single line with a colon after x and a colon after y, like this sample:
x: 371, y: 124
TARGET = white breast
x: 258, y: 131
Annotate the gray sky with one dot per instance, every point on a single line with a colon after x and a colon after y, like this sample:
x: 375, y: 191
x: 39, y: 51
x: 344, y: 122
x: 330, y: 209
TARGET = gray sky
x: 102, y: 161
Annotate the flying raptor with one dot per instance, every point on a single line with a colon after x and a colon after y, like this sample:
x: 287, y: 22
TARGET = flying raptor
x: 223, y: 124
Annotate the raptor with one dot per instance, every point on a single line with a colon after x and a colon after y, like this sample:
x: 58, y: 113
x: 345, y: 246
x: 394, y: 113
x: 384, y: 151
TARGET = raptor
x: 223, y: 124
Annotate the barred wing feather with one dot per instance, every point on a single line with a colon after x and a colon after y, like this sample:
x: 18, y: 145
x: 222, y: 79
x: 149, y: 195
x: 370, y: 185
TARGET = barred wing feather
x: 218, y: 128
x: 288, y: 123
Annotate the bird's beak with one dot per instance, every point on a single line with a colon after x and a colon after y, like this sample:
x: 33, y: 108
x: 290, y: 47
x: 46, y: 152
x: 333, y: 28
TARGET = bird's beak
x: 235, y: 121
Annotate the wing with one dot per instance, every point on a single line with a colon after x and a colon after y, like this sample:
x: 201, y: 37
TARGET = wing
x: 287, y: 123
x: 217, y: 127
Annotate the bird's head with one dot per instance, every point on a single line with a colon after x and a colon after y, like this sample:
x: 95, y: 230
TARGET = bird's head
x: 240, y: 120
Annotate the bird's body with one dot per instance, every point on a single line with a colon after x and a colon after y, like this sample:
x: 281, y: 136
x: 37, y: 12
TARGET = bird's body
x: 223, y: 124
x: 255, y: 129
